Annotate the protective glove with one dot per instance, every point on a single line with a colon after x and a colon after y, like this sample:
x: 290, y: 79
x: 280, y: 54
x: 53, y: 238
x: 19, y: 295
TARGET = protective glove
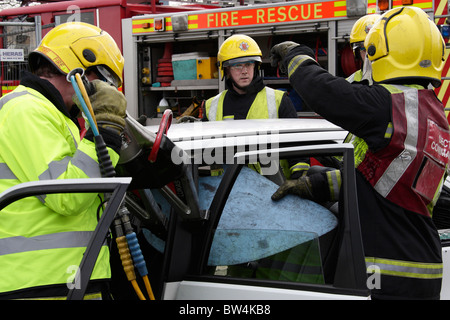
x: 108, y: 104
x: 279, y: 52
x: 187, y: 119
x: 301, y: 187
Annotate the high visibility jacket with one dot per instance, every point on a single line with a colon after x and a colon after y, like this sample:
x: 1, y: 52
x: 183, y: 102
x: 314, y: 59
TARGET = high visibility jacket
x: 356, y: 76
x: 410, y: 170
x: 266, y: 97
x: 43, y: 238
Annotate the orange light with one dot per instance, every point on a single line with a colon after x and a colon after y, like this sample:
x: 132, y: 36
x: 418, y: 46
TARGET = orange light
x: 159, y: 24
x: 407, y: 2
x: 383, y: 5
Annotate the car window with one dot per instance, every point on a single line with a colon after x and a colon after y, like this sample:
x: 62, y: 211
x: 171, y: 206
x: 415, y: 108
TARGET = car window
x: 266, y: 254
x: 259, y: 238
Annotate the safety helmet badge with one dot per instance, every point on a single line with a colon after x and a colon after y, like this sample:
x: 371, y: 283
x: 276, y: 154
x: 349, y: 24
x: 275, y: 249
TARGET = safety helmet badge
x: 244, y: 46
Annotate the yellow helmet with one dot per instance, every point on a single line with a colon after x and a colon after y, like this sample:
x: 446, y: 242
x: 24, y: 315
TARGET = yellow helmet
x: 405, y: 43
x: 361, y: 28
x: 81, y: 45
x: 238, y: 48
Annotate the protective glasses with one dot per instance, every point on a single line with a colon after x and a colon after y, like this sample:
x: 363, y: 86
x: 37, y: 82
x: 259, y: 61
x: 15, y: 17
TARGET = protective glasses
x: 104, y: 74
x: 241, y: 65
x: 359, y: 45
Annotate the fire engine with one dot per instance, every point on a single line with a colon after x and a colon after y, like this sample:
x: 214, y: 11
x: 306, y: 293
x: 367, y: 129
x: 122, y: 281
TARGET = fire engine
x: 22, y: 28
x: 196, y: 36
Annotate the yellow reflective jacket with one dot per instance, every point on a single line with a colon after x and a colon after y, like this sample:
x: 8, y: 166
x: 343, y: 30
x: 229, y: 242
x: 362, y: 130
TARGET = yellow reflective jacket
x: 43, y: 238
x: 266, y: 97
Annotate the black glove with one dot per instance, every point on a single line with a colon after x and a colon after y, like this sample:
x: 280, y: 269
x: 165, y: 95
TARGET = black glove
x: 301, y: 187
x: 142, y: 119
x: 279, y: 52
x: 187, y: 119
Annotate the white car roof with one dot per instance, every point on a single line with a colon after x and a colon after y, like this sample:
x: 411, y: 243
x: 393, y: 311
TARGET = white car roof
x: 211, y: 134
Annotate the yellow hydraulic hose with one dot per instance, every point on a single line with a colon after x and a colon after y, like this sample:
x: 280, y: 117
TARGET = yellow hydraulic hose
x: 127, y: 264
x: 138, y: 290
x: 148, y: 287
x: 85, y: 96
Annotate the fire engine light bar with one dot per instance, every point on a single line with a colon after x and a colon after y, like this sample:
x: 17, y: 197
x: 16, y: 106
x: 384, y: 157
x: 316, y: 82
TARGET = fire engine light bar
x: 159, y: 24
x: 180, y: 22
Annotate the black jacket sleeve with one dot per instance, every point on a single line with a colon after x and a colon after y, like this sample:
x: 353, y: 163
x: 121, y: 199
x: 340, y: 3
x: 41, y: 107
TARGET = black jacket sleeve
x: 359, y: 108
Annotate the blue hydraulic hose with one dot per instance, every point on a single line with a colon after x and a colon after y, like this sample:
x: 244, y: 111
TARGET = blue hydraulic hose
x: 136, y: 253
x: 84, y: 106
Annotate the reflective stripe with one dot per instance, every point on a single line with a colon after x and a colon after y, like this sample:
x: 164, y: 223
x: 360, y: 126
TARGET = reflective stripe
x: 73, y: 137
x: 334, y: 183
x: 351, y: 78
x: 19, y: 244
x: 213, y: 109
x: 5, y: 172
x: 55, y: 169
x: 89, y: 296
x: 296, y: 62
x: 399, y: 165
x: 355, y: 76
x: 389, y: 131
x: 300, y: 166
x: 11, y: 96
x: 81, y: 160
x: 271, y: 103
x: 406, y: 269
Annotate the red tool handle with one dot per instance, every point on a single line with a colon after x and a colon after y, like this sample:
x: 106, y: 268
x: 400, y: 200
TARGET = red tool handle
x: 164, y: 125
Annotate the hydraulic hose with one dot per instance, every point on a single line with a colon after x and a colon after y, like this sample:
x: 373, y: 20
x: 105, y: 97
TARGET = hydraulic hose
x: 77, y: 85
x: 135, y: 250
x: 106, y: 166
x: 125, y: 257
x: 107, y: 170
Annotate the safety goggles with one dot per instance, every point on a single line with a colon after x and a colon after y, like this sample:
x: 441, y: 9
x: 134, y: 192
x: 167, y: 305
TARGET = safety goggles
x: 241, y: 65
x: 358, y: 46
x: 104, y: 74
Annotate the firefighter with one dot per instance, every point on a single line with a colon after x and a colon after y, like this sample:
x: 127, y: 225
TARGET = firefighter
x: 246, y: 96
x: 43, y: 238
x: 357, y: 36
x: 399, y: 175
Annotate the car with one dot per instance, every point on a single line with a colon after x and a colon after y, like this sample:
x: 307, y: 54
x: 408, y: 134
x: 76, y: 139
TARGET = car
x: 224, y: 252
x: 220, y: 236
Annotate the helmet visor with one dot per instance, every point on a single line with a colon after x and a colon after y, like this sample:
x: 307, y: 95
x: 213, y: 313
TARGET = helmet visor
x: 105, y: 74
x: 241, y: 60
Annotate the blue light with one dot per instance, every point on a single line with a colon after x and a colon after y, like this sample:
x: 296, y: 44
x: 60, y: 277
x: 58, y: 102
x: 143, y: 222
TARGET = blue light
x: 445, y: 31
